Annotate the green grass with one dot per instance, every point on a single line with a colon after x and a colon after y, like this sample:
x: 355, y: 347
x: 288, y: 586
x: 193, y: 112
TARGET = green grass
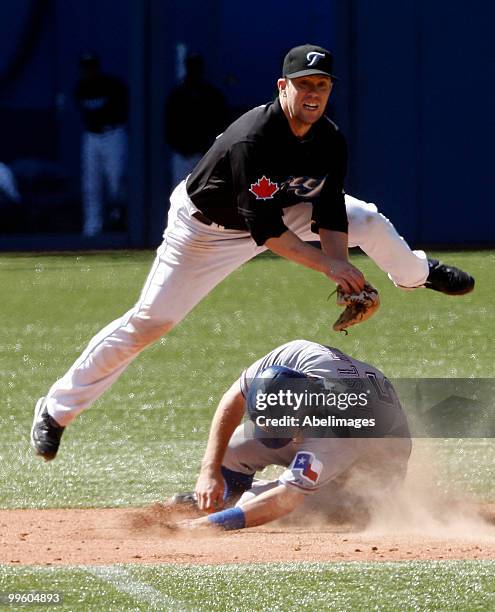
x: 144, y: 438
x: 411, y: 586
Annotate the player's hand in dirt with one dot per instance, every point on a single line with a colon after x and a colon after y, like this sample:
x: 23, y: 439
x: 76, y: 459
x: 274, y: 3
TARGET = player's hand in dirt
x: 346, y: 275
x: 210, y: 488
x: 192, y: 524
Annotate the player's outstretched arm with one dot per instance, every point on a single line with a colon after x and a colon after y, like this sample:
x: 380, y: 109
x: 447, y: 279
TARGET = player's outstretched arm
x: 210, y: 485
x: 333, y: 263
x: 271, y: 505
x: 264, y: 508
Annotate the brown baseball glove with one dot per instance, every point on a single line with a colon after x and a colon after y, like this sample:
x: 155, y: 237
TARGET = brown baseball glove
x: 358, y: 306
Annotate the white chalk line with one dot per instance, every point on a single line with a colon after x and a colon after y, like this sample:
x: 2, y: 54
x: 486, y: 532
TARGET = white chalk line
x: 122, y: 581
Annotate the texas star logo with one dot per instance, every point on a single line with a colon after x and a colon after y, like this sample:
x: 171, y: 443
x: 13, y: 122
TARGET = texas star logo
x: 264, y: 189
x: 307, y: 466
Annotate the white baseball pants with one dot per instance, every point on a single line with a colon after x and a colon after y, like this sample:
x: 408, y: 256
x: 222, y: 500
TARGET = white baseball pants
x: 104, y: 158
x: 190, y: 262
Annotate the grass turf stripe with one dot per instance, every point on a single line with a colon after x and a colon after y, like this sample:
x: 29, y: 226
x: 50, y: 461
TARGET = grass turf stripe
x: 141, y: 591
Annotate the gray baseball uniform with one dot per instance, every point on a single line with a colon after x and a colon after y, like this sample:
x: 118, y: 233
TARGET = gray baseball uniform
x: 314, y: 462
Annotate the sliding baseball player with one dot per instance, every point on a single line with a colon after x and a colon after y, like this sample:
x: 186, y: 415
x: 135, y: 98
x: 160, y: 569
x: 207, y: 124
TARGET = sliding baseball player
x: 355, y: 420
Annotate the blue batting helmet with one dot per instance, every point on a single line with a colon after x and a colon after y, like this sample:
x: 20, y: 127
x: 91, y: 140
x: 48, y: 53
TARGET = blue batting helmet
x: 270, y: 382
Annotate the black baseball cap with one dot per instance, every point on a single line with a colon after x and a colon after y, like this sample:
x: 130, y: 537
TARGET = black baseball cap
x: 308, y: 59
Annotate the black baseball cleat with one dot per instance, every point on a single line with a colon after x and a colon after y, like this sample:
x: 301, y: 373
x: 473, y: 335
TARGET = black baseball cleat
x: 45, y: 432
x: 448, y: 279
x: 184, y: 499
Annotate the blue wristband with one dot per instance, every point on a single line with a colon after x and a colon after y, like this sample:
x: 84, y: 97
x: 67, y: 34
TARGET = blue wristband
x: 233, y: 518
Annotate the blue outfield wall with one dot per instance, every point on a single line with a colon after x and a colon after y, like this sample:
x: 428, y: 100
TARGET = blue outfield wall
x: 457, y: 121
x: 415, y: 100
x: 417, y: 106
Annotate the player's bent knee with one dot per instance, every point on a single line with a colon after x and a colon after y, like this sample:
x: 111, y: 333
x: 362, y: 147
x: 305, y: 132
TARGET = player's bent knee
x: 371, y: 223
x: 146, y: 330
x: 372, y: 219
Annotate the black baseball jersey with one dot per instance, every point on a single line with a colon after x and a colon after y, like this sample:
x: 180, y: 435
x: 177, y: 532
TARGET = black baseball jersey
x: 102, y: 100
x: 258, y: 166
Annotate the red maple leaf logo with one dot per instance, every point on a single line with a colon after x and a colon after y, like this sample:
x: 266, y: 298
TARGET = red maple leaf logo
x: 264, y: 189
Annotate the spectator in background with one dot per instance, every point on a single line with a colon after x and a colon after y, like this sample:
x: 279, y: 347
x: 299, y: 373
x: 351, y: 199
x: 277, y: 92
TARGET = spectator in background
x: 103, y: 102
x: 195, y: 114
x: 9, y: 192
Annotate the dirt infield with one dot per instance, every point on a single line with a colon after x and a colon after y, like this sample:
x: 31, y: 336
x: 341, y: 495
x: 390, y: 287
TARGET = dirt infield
x: 144, y: 535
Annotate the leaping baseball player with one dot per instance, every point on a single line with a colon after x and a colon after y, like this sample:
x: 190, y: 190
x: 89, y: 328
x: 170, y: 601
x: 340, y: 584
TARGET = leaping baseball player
x: 273, y: 180
x: 367, y: 430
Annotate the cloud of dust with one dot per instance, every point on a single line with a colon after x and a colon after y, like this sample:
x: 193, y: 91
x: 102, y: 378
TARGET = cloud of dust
x: 421, y: 507
x: 418, y: 506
